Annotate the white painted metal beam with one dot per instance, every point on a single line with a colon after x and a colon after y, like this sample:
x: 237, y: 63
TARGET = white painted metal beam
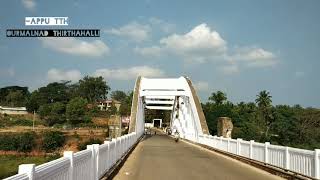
x: 160, y: 107
x: 159, y: 97
x: 159, y: 102
x: 163, y: 93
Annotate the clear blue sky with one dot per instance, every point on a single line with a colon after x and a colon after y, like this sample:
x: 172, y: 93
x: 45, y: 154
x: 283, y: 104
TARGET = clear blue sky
x: 239, y: 47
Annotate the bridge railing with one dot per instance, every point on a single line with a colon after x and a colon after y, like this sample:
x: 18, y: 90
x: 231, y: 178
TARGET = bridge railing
x: 302, y: 161
x: 92, y: 163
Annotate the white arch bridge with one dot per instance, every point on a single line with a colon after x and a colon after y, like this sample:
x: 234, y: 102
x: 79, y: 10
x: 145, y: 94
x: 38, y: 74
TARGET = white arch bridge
x: 159, y: 157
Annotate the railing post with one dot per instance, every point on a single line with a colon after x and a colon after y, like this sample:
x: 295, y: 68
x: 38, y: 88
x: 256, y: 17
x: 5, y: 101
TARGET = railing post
x: 215, y: 141
x: 29, y: 169
x: 251, y: 149
x: 108, y: 154
x: 69, y: 155
x: 211, y: 141
x: 266, y: 158
x: 114, y: 151
x: 220, y: 144
x: 239, y: 146
x: 228, y: 147
x: 95, y: 160
x: 287, y: 158
x: 317, y: 163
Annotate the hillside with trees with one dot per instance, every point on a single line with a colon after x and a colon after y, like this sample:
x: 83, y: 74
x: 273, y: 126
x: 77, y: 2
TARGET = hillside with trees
x: 73, y: 104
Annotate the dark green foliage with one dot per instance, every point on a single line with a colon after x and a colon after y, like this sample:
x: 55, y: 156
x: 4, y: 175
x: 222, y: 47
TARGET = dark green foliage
x: 118, y: 95
x: 284, y: 125
x: 53, y: 140
x: 13, y: 96
x: 53, y: 113
x: 125, y: 108
x: 93, y: 88
x: 76, y: 110
x: 218, y: 98
x: 83, y: 145
x: 52, y: 93
x: 22, y: 142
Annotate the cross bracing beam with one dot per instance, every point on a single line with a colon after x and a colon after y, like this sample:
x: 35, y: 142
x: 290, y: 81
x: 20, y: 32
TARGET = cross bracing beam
x: 159, y: 97
x: 163, y: 93
x: 159, y: 102
x: 160, y: 107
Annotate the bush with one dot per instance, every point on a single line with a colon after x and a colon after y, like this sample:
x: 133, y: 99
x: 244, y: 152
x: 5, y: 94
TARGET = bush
x: 83, y: 145
x: 22, y: 142
x: 26, y: 142
x: 53, y: 113
x: 53, y: 140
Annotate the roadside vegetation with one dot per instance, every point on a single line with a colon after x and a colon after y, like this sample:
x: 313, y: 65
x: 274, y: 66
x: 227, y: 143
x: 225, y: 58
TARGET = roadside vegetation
x: 10, y: 163
x: 61, y: 116
x: 285, y: 125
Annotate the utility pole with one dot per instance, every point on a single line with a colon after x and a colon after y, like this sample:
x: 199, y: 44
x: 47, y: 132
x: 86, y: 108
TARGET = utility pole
x: 34, y: 114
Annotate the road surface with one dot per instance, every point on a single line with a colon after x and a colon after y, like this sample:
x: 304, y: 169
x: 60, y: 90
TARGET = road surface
x: 159, y: 157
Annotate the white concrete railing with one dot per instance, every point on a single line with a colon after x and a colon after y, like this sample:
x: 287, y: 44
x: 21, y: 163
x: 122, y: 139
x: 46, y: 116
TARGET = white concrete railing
x: 91, y: 163
x: 302, y: 161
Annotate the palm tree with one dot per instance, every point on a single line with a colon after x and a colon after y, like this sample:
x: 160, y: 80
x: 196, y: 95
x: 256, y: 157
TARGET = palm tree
x: 264, y: 104
x: 218, y: 98
x: 264, y: 99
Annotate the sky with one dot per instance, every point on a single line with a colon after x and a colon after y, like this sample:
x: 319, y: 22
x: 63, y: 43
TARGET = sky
x: 239, y: 47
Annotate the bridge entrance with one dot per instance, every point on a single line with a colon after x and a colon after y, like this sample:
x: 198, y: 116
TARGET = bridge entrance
x: 175, y: 95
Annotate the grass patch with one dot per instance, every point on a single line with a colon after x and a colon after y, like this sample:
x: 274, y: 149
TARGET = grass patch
x: 10, y: 163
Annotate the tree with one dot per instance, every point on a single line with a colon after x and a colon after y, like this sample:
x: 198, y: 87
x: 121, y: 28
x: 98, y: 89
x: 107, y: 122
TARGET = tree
x: 15, y: 98
x: 53, y: 140
x: 264, y: 101
x: 52, y: 93
x: 76, y: 110
x: 125, y: 108
x: 218, y: 98
x: 33, y: 103
x: 6, y: 90
x: 118, y: 95
x: 53, y: 113
x: 93, y: 88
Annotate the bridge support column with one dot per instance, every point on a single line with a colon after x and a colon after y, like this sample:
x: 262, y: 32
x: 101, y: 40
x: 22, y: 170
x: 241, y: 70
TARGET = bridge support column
x: 29, y: 169
x: 69, y: 155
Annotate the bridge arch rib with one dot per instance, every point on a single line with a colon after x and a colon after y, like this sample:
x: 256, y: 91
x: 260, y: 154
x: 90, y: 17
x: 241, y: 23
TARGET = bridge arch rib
x: 175, y: 94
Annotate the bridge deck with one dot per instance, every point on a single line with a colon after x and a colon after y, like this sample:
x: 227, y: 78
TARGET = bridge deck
x: 159, y: 157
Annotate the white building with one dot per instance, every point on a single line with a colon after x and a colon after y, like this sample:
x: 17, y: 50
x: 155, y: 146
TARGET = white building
x: 13, y: 110
x: 106, y: 104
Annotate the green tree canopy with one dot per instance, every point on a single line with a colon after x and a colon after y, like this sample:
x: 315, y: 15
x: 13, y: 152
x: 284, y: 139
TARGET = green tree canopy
x: 76, y: 110
x: 263, y: 99
x: 218, y: 98
x: 53, y: 113
x: 15, y: 98
x: 118, y: 95
x: 93, y: 88
x: 125, y: 108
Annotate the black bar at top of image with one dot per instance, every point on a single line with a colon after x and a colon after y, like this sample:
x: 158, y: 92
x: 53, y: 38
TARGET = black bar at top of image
x: 53, y: 33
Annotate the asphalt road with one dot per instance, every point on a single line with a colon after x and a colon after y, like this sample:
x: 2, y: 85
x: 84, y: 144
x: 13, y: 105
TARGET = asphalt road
x: 159, y: 157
